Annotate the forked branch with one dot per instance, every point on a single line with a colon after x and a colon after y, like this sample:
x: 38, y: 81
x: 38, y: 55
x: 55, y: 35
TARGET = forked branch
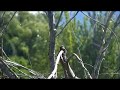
x: 56, y: 64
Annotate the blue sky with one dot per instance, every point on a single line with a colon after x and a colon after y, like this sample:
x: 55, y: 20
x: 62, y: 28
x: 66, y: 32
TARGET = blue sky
x: 79, y: 16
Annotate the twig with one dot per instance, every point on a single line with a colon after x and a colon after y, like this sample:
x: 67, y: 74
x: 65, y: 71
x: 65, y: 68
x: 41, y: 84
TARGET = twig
x: 109, y: 73
x: 99, y: 59
x: 4, y: 30
x: 11, y: 63
x: 59, y: 19
x: 92, y: 18
x: 99, y: 23
x: 111, y: 34
x: 9, y: 21
x: 81, y: 62
x: 19, y: 65
x: 3, y: 14
x: 88, y: 65
x: 21, y: 72
x: 67, y: 24
x: 6, y: 69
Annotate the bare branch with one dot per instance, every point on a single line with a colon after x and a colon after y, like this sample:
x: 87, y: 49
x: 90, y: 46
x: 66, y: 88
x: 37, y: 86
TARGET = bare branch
x: 56, y: 64
x: 67, y: 24
x: 59, y: 19
x: 101, y: 24
x: 3, y: 14
x: 80, y: 60
x: 109, y: 38
x: 88, y: 65
x: 6, y: 70
x: 110, y: 73
x: 71, y: 72
x: 103, y: 49
x: 22, y: 72
x: 104, y: 26
x: 92, y: 18
x: 9, y: 21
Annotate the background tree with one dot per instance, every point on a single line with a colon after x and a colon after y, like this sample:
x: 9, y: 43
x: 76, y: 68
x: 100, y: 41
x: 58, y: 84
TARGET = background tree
x: 33, y: 40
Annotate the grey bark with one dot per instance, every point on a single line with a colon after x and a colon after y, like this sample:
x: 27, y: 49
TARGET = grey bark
x: 103, y: 49
x: 52, y: 39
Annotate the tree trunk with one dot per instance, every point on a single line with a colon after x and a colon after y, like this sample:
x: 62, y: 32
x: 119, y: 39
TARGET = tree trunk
x: 52, y: 40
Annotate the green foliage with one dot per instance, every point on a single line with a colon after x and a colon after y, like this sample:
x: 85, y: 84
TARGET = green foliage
x: 26, y: 41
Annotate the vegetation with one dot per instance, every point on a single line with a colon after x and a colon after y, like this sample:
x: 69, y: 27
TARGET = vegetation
x: 30, y: 44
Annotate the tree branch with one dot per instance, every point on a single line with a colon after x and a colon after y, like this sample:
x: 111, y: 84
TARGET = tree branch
x: 103, y: 49
x: 56, y: 64
x: 102, y: 25
x: 67, y: 24
x: 59, y: 19
x: 9, y: 21
x: 3, y: 14
x: 92, y: 18
x: 6, y: 70
x: 81, y: 62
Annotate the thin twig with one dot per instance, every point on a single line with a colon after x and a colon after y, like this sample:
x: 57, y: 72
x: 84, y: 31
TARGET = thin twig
x: 80, y: 60
x: 11, y: 63
x: 99, y: 23
x: 102, y: 25
x: 6, y: 69
x: 59, y: 19
x: 2, y: 33
x: 22, y: 72
x: 103, y: 50
x: 67, y: 24
x: 4, y: 28
x: 9, y: 21
x: 92, y: 18
x: 109, y: 73
x: 3, y: 14
x: 88, y: 65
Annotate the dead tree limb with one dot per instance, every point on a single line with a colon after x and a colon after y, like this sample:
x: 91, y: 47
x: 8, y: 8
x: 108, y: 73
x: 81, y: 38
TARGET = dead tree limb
x: 103, y: 48
x: 81, y: 62
x: 98, y: 22
x: 6, y: 69
x: 56, y: 64
x: 67, y: 24
x: 67, y: 69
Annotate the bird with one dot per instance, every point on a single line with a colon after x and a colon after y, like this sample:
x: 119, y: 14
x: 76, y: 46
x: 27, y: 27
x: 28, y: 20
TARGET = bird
x: 64, y: 58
